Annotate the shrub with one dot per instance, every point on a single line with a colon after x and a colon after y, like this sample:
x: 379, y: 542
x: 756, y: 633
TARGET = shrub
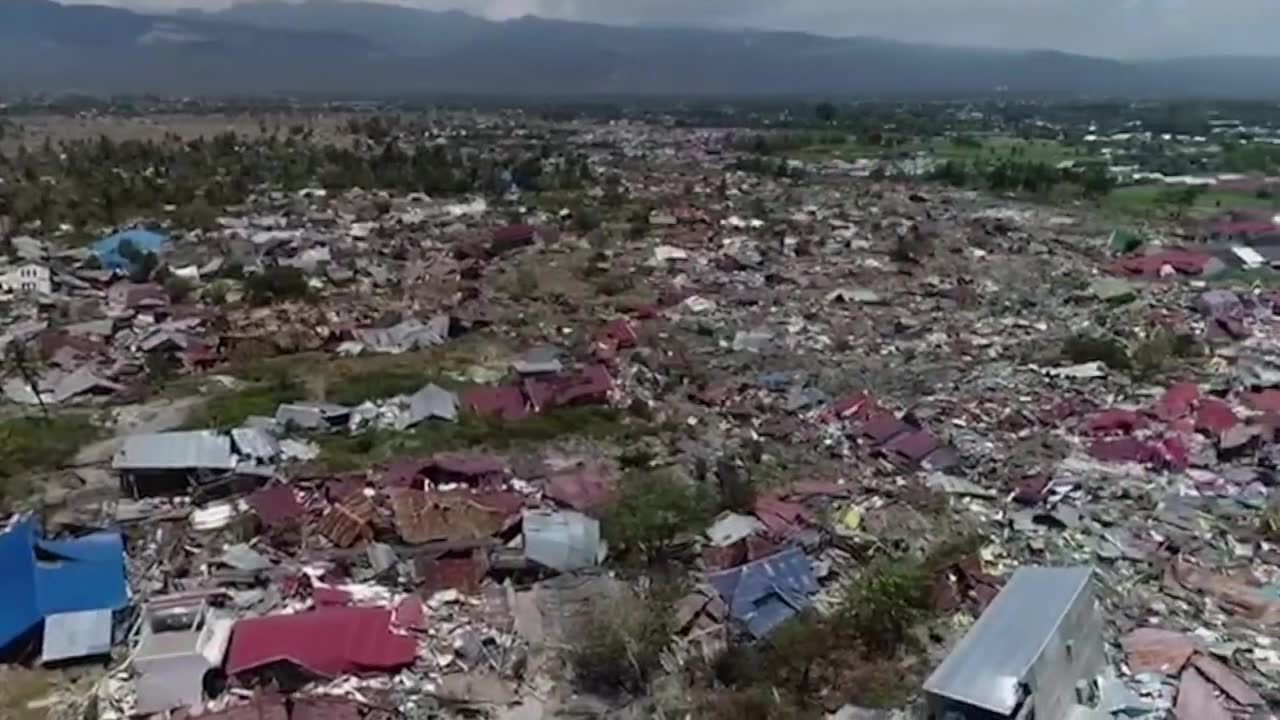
x: 525, y: 285
x: 1161, y: 353
x: 1269, y: 525
x: 276, y: 284
x: 179, y: 289
x: 651, y: 512
x: 737, y: 487
x: 619, y: 646
x: 1111, y: 352
x: 881, y: 605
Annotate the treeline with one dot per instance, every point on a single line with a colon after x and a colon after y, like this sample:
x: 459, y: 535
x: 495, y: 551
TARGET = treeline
x: 88, y: 184
x: 1012, y: 175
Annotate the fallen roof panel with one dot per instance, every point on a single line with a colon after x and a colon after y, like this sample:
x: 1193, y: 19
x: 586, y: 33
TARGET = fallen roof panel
x: 328, y: 642
x: 196, y: 449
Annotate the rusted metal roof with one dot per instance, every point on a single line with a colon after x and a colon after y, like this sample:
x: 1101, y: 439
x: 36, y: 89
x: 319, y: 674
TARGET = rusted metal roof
x: 421, y: 518
x: 882, y: 428
x: 465, y: 574
x: 504, y: 402
x: 348, y: 522
x: 583, y: 488
x: 277, y: 505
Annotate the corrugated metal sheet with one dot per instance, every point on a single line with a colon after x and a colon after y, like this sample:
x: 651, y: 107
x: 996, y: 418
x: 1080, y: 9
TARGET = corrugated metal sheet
x: 422, y: 518
x: 986, y: 669
x: 328, y: 642
x: 761, y: 595
x: 191, y: 450
x: 75, y: 635
x: 562, y: 541
x: 346, y: 523
x: 432, y: 401
x: 255, y: 443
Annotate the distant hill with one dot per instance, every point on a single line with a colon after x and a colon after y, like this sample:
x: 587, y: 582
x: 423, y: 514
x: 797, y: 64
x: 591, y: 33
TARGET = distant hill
x: 369, y: 49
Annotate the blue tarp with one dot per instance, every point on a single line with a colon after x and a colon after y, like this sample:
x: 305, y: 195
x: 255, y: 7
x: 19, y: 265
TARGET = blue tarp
x: 761, y: 595
x: 108, y: 248
x: 48, y: 577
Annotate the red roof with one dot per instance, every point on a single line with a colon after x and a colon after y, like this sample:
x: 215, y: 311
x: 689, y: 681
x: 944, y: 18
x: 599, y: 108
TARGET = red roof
x: 1177, y: 401
x: 1265, y: 401
x: 328, y: 642
x: 276, y: 505
x: 1116, y: 420
x: 1183, y: 261
x: 912, y: 446
x: 883, y: 427
x: 504, y: 402
x: 1215, y: 416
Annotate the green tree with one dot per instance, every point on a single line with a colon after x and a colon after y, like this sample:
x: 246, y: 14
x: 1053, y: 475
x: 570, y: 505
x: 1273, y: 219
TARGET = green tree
x: 825, y: 112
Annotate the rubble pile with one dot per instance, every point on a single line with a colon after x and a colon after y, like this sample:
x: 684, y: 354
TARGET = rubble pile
x: 882, y: 366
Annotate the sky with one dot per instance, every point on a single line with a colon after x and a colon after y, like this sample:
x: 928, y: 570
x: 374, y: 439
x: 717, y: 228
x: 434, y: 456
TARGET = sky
x: 1113, y: 28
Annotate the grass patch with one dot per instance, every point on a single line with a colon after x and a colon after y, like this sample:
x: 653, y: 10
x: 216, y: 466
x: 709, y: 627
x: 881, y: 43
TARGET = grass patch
x: 1150, y: 201
x: 231, y: 408
x: 352, y: 380
x: 1244, y: 278
x: 33, y: 444
x: 339, y: 453
x: 378, y: 384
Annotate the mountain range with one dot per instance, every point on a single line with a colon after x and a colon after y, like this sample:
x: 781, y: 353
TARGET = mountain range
x: 367, y: 49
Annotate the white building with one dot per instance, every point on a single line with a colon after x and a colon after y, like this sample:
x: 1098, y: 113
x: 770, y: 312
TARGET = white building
x: 27, y: 278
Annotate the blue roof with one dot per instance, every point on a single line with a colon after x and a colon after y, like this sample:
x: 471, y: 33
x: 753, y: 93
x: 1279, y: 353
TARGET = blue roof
x: 761, y: 595
x: 48, y: 577
x: 108, y: 248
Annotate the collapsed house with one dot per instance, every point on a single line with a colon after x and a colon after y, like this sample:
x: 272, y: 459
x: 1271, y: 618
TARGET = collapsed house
x: 65, y: 592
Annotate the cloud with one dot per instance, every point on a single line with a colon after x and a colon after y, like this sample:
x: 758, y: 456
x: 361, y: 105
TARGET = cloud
x: 1120, y: 28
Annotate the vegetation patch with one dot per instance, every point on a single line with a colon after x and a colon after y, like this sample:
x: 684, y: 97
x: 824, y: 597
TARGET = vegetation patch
x: 33, y: 444
x: 231, y: 408
x: 276, y: 284
x: 377, y: 384
x: 652, y: 512
x: 1162, y: 353
x: 350, y: 452
x: 1109, y: 351
x: 618, y: 648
